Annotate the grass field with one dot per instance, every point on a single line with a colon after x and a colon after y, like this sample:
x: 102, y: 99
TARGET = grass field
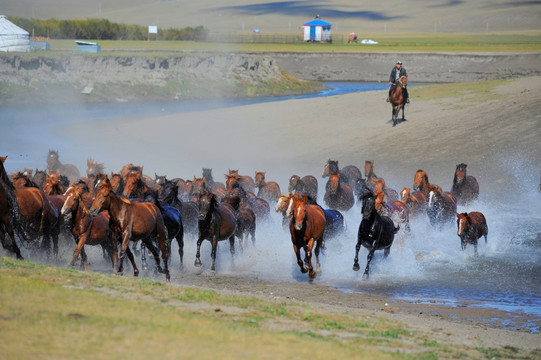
x: 51, y: 312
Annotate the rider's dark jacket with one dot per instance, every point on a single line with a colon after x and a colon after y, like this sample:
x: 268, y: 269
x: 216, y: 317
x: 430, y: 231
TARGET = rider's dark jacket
x: 403, y: 72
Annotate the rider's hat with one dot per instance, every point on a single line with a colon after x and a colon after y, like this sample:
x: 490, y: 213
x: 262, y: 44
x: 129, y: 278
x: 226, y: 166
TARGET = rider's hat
x: 399, y: 62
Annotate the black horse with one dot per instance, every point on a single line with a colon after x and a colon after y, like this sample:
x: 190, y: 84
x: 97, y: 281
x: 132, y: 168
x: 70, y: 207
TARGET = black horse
x: 189, y: 210
x: 376, y: 232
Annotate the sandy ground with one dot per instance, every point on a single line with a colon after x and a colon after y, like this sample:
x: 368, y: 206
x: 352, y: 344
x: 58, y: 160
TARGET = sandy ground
x: 298, y: 136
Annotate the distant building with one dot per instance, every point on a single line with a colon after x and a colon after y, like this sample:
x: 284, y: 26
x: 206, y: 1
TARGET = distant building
x: 87, y: 46
x: 12, y: 37
x: 317, y: 30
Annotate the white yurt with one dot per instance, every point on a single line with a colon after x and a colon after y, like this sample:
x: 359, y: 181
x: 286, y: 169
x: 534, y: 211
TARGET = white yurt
x: 12, y: 37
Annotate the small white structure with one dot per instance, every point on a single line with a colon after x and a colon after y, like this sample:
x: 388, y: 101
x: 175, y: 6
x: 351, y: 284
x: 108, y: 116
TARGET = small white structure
x: 317, y: 30
x: 12, y: 37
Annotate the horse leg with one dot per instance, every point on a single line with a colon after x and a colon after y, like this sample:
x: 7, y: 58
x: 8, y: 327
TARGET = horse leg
x: 80, y: 244
x: 356, y: 266
x: 10, y: 244
x: 368, y: 259
x: 213, y: 251
x: 318, y: 248
x: 126, y: 235
x: 252, y: 233
x: 197, y: 254
x: 84, y: 262
x: 386, y: 252
x: 144, y: 256
x: 180, y: 242
x: 132, y: 261
x: 475, y: 253
x: 154, y: 252
x: 311, y: 272
x: 299, y: 260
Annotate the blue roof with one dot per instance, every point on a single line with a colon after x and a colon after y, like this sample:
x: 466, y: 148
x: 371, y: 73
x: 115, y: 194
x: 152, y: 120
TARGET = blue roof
x: 317, y: 22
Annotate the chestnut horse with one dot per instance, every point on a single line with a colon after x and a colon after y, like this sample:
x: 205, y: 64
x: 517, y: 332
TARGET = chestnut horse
x: 471, y: 226
x: 371, y: 177
x: 216, y: 222
x: 54, y: 184
x: 421, y: 183
x: 389, y: 193
x: 132, y: 221
x: 465, y: 187
x: 349, y: 174
x: 87, y: 229
x: 10, y: 215
x: 416, y: 201
x: 267, y: 190
x: 68, y: 170
x: 376, y: 232
x: 396, y: 210
x: 22, y: 179
x: 441, y: 207
x: 245, y: 181
x: 338, y: 195
x: 306, y: 185
x: 398, y: 101
x: 307, y: 227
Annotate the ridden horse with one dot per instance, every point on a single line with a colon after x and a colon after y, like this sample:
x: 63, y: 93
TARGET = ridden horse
x: 465, y: 187
x: 376, y: 232
x: 421, y: 183
x: 441, y: 207
x: 87, y: 229
x: 306, y: 185
x: 307, y: 227
x: 244, y: 180
x: 471, y: 226
x: 396, y: 210
x: 216, y: 222
x: 398, y: 101
x: 267, y: 190
x: 339, y: 195
x: 53, y: 183
x: 68, y: 170
x: 416, y: 201
x: 10, y: 215
x: 132, y: 221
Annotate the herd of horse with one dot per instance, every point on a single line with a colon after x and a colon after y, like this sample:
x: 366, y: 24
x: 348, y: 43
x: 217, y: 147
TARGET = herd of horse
x: 118, y: 209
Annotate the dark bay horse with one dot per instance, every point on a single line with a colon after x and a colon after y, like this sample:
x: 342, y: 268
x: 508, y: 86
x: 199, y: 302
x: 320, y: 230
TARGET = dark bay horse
x: 441, y: 207
x: 465, y: 187
x: 307, y: 227
x: 189, y: 210
x: 376, y: 232
x: 306, y: 185
x: 216, y: 222
x: 349, y: 174
x: 87, y: 229
x: 132, y: 221
x: 10, y: 215
x: 267, y: 190
x: 339, y: 195
x: 68, y: 170
x: 471, y: 226
x: 398, y: 101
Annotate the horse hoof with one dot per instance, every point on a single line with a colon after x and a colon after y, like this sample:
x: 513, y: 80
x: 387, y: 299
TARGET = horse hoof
x: 365, y: 276
x: 136, y: 273
x: 356, y: 267
x: 304, y: 270
x: 312, y: 274
x: 197, y: 263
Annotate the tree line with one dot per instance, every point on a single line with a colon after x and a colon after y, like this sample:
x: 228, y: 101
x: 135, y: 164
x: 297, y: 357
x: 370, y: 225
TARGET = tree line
x: 102, y: 29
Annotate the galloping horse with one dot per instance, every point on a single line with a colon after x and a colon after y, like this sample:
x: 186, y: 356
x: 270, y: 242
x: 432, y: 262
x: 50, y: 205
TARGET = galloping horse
x: 68, y: 170
x: 132, y: 221
x: 22, y: 179
x: 87, y: 229
x: 307, y: 227
x: 216, y: 222
x: 245, y: 181
x: 441, y: 207
x: 306, y: 185
x: 465, y: 187
x: 349, y: 174
x: 389, y: 193
x: 396, y: 210
x: 398, y: 102
x: 93, y: 168
x: 376, y: 232
x: 189, y: 210
x: 470, y: 228
x: 416, y: 201
x: 207, y: 174
x: 267, y: 190
x: 421, y: 183
x: 338, y: 195
x: 10, y: 215
x: 371, y: 177
x: 117, y: 183
x: 53, y: 183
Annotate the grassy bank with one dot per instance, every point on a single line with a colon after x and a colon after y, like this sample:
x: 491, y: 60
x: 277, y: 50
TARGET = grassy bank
x: 54, y: 312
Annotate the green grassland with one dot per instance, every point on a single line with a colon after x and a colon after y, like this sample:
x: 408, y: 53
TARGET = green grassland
x: 51, y: 312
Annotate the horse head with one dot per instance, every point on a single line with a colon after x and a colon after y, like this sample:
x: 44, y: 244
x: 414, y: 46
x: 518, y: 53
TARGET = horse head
x: 420, y: 180
x: 368, y: 168
x: 334, y: 183
x: 462, y: 221
x: 93, y: 167
x: 259, y: 178
x: 460, y: 173
x: 297, y: 208
x: 207, y: 202
x: 379, y: 195
x: 405, y: 194
x: 403, y: 81
x: 73, y: 200
x: 102, y: 195
x: 331, y: 167
x: 282, y: 203
x: 230, y: 179
x: 52, y: 160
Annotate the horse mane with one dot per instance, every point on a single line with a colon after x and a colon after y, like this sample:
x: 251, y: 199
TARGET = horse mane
x: 333, y: 167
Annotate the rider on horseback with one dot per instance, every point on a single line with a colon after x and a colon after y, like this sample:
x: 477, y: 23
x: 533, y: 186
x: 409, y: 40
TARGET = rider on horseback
x: 397, y: 72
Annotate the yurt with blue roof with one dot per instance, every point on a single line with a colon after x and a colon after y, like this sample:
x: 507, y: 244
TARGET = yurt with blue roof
x: 317, y: 30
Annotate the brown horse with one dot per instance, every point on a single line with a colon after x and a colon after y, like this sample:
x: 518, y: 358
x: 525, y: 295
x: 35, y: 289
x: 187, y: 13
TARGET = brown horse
x: 135, y: 186
x: 416, y: 201
x: 94, y: 168
x: 132, y: 221
x: 39, y: 178
x: 22, y: 179
x: 87, y: 229
x: 117, y: 183
x: 349, y: 174
x: 396, y: 210
x: 339, y: 195
x: 441, y: 207
x: 216, y: 222
x: 10, y: 215
x: 207, y: 174
x: 307, y: 227
x: 267, y: 190
x: 244, y: 180
x: 306, y: 185
x: 465, y: 187
x: 68, y: 170
x: 371, y: 177
x: 390, y: 194
x: 398, y: 101
x: 471, y: 226
x: 53, y: 183
x: 421, y: 183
